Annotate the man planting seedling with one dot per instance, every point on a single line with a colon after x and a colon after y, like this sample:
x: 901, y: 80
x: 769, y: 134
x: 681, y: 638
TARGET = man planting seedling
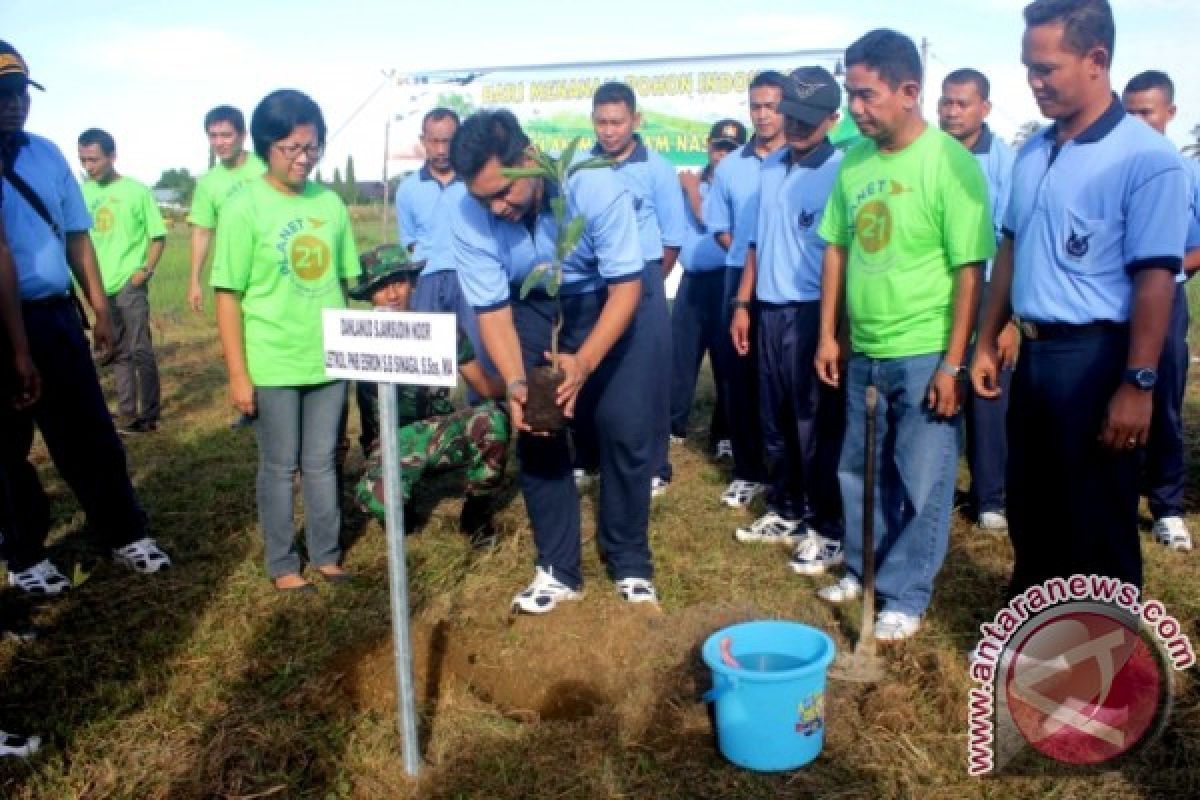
x: 549, y: 257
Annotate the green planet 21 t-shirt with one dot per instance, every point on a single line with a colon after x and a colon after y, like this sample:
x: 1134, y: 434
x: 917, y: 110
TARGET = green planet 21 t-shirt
x: 907, y: 221
x: 215, y: 187
x: 124, y: 220
x: 286, y: 255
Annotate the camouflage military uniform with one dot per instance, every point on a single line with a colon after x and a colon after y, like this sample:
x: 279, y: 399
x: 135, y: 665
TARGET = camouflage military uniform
x: 434, y: 436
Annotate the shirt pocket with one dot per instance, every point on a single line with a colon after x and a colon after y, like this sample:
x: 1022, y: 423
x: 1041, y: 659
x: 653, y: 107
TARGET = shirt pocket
x: 1089, y: 245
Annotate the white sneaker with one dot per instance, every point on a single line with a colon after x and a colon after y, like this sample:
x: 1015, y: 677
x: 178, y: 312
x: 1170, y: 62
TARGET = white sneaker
x: 583, y: 478
x: 815, y: 554
x: 848, y: 588
x: 992, y: 522
x: 14, y: 744
x: 543, y: 594
x: 739, y: 494
x: 1173, y: 533
x: 895, y: 626
x: 724, y: 450
x: 144, y: 556
x: 637, y: 590
x: 771, y: 528
x: 678, y: 439
x: 658, y: 487
x: 43, y: 578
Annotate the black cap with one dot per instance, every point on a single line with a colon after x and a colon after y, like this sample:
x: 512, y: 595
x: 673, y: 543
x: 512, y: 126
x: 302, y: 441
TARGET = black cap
x: 14, y: 74
x: 811, y: 96
x: 728, y: 132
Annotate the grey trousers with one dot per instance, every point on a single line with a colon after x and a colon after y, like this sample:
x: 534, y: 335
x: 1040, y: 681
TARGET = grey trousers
x: 134, y: 368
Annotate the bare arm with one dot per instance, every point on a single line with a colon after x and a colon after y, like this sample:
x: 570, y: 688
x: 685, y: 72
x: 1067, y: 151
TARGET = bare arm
x: 618, y: 311
x: 82, y: 258
x: 985, y: 369
x: 946, y: 390
x: 832, y: 352
x: 739, y: 328
x: 484, y: 384
x: 229, y: 329
x: 724, y: 239
x: 1191, y: 262
x: 1128, y: 421
x: 29, y: 384
x: 201, y: 241
x: 670, y: 257
x: 153, y: 253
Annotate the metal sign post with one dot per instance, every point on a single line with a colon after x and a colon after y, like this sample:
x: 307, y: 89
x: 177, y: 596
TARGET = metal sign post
x: 406, y: 703
x: 393, y: 348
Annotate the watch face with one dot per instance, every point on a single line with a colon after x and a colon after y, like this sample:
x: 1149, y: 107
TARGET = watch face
x: 1145, y: 378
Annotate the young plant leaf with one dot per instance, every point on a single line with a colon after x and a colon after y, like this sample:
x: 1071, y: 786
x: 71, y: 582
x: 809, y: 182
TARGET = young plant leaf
x: 568, y: 155
x: 592, y: 163
x: 572, y: 236
x: 554, y: 281
x: 535, y: 276
x: 523, y: 172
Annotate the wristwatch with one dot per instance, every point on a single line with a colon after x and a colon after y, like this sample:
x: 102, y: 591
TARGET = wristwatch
x: 946, y: 368
x: 735, y: 304
x: 1143, y: 378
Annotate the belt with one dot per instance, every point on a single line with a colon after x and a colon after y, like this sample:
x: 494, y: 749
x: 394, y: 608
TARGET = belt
x: 1061, y: 330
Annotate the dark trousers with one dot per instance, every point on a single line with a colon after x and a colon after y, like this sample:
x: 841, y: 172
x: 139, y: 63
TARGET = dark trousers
x: 441, y: 292
x: 1072, y: 503
x: 79, y: 434
x: 657, y: 401
x: 987, y: 446
x: 1165, y: 474
x: 612, y: 403
x: 697, y: 325
x: 135, y: 370
x: 739, y: 383
x: 803, y: 420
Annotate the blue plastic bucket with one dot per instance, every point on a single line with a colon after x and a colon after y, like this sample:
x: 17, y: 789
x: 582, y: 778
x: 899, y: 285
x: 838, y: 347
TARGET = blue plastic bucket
x: 770, y: 712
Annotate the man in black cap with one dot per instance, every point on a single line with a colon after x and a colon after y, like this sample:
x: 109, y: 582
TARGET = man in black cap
x: 801, y: 420
x: 698, y: 313
x: 47, y: 225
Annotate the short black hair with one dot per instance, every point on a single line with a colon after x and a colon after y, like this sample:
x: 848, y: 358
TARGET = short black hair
x: 225, y: 114
x: 615, y: 92
x: 280, y: 113
x: 890, y: 53
x: 1152, y: 79
x: 96, y: 136
x: 769, y: 78
x: 484, y: 135
x: 438, y: 114
x: 1086, y: 23
x: 968, y: 75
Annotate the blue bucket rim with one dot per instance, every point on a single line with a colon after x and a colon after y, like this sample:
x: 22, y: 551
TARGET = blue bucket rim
x: 710, y: 651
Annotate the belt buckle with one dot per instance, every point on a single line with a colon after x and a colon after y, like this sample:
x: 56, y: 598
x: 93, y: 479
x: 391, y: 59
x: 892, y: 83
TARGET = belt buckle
x: 1029, y: 329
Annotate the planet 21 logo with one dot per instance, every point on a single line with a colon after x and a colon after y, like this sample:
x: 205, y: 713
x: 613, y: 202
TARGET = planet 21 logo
x: 1079, y: 669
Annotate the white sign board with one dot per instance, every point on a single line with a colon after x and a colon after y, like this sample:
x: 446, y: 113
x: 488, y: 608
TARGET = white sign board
x: 391, y: 347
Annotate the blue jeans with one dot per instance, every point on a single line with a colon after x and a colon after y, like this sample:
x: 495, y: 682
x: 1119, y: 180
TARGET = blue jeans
x: 297, y: 426
x: 916, y: 458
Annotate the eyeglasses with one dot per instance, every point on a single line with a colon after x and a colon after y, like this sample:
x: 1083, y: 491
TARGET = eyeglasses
x: 292, y: 151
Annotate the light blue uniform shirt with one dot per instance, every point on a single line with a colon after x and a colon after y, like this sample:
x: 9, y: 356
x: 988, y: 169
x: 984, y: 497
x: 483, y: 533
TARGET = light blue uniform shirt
x: 735, y: 187
x: 996, y: 160
x: 785, y: 219
x: 494, y: 256
x: 1193, y: 237
x: 40, y: 256
x: 423, y: 213
x: 1086, y: 216
x: 700, y: 252
x: 652, y: 183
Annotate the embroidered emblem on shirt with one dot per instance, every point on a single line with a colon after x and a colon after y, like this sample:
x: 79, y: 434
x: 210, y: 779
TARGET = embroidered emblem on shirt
x: 637, y: 204
x: 1077, y: 246
x: 806, y: 219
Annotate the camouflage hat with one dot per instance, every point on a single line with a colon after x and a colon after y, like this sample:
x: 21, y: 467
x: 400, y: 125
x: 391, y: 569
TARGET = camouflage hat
x: 382, y: 265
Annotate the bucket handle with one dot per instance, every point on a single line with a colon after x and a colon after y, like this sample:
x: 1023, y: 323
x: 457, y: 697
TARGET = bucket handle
x: 722, y: 685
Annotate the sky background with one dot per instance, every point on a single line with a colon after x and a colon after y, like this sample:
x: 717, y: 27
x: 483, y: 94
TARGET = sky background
x: 147, y: 71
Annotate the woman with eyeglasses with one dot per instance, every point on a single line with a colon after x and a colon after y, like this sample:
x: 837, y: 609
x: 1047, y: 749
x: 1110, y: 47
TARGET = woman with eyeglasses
x: 284, y: 252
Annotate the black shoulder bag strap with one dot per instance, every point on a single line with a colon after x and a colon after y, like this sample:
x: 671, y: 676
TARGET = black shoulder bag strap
x: 35, y: 201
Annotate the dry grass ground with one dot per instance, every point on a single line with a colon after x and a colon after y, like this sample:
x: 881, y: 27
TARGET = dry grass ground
x: 203, y: 683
